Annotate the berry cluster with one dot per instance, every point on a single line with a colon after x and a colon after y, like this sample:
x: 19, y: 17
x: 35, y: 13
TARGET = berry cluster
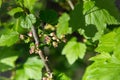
x: 45, y: 38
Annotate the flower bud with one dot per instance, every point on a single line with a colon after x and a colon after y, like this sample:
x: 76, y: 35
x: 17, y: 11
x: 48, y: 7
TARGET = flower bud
x: 47, y: 39
x: 32, y: 50
x: 52, y: 34
x: 22, y: 37
x: 30, y: 34
x: 54, y: 38
x: 55, y: 44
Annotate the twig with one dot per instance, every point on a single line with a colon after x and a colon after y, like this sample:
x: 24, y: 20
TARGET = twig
x: 35, y: 35
x: 41, y: 54
x: 45, y: 61
x: 70, y: 4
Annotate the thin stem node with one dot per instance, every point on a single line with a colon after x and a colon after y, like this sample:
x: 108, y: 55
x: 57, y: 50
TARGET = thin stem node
x: 70, y: 4
x: 40, y: 52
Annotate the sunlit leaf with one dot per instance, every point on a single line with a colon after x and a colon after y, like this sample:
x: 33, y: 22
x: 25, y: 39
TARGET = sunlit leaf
x: 31, y: 70
x: 8, y: 56
x: 117, y: 44
x: 28, y: 21
x: 29, y: 4
x: 9, y: 39
x: 17, y: 27
x: 9, y: 61
x: 106, y: 43
x: 62, y: 76
x: 63, y: 25
x: 101, y: 57
x: 0, y: 3
x: 4, y: 67
x: 111, y: 9
x: 102, y: 70
x: 15, y: 10
x: 34, y: 66
x: 106, y: 16
x: 74, y: 50
x: 21, y: 75
x: 106, y: 66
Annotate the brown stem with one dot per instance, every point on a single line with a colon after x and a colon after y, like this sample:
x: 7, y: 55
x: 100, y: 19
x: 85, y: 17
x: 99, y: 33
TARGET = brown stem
x: 70, y: 4
x: 41, y: 54
x: 45, y: 61
x: 35, y: 35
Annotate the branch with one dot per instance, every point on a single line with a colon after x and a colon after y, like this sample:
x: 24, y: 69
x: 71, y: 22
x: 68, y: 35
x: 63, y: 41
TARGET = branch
x: 45, y: 61
x: 41, y: 54
x: 70, y: 4
x: 35, y: 35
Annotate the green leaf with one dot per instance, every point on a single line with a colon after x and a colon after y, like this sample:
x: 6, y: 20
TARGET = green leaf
x: 111, y: 8
x: 77, y: 18
x: 63, y: 25
x: 110, y: 12
x: 19, y: 14
x: 8, y: 57
x: 49, y: 16
x: 90, y: 30
x: 21, y: 75
x: 103, y: 70
x: 31, y: 70
x: 62, y: 76
x: 28, y: 21
x: 74, y: 50
x: 34, y: 66
x: 15, y: 10
x: 8, y: 63
x: 117, y: 51
x: 9, y: 60
x: 0, y: 3
x: 4, y: 31
x: 10, y: 51
x: 29, y: 4
x: 106, y: 43
x: 105, y: 15
x: 88, y: 5
x: 117, y: 44
x: 110, y: 42
x: 101, y: 57
x: 106, y: 67
x: 3, y: 78
x: 9, y: 39
x: 17, y: 27
x: 4, y: 67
